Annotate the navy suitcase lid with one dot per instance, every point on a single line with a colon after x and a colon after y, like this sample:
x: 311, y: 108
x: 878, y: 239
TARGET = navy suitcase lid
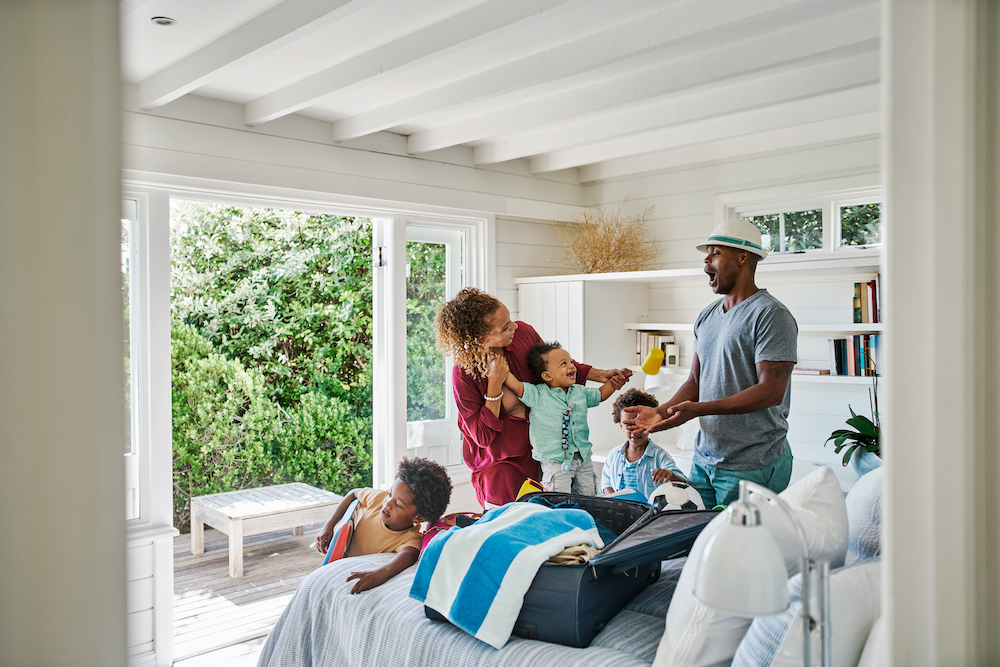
x: 662, y: 536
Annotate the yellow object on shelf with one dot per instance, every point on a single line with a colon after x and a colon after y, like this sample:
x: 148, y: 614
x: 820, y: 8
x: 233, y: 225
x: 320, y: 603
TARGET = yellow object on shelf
x: 653, y: 362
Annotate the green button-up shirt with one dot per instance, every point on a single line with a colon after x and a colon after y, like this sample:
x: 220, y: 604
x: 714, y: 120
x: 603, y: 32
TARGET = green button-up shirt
x: 545, y: 423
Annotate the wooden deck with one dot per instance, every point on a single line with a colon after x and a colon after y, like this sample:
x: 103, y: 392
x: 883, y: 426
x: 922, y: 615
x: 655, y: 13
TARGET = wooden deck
x: 212, y: 610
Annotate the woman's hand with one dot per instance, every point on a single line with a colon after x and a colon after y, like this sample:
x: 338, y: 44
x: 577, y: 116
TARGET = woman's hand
x: 497, y: 369
x: 602, y: 376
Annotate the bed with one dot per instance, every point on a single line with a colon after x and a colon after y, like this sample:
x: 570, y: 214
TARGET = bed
x: 324, y: 627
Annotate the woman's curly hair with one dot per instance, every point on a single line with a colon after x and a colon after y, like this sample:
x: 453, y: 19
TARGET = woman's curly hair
x: 631, y: 398
x: 430, y: 485
x: 460, y: 325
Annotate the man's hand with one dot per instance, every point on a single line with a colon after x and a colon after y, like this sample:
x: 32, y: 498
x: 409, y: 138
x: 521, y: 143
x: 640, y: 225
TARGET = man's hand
x: 680, y: 413
x: 661, y: 475
x: 642, y: 418
x: 368, y: 580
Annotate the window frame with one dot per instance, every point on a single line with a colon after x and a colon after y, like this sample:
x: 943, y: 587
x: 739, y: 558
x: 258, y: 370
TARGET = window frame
x: 827, y: 195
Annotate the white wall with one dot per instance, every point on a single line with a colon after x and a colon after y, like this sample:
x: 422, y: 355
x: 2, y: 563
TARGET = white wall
x: 62, y: 550
x: 683, y: 200
x: 524, y: 248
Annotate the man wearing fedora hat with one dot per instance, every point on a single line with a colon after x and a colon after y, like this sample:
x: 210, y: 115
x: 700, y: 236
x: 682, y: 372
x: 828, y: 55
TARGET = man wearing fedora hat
x: 738, y: 388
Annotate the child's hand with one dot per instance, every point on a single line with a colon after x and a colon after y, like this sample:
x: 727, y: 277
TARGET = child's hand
x: 368, y: 580
x: 661, y: 475
x: 323, y: 539
x: 618, y: 381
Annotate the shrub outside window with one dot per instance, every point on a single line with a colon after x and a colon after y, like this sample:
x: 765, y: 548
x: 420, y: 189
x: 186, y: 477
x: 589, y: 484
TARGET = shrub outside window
x: 861, y: 225
x: 793, y: 231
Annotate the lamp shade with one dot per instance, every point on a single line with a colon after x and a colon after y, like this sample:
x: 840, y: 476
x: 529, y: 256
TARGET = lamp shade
x: 742, y: 572
x: 657, y: 382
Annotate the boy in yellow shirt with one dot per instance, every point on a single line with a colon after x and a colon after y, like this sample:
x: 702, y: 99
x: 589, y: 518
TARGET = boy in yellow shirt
x: 389, y: 520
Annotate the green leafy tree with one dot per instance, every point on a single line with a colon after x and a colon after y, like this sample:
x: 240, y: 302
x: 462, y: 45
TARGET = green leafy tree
x: 425, y: 294
x: 271, y: 350
x: 861, y: 224
x: 284, y: 292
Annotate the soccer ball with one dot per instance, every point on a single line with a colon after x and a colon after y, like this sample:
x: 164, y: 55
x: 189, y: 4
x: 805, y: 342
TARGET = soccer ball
x: 678, y: 496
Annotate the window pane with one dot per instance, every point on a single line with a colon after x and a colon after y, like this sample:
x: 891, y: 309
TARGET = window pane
x: 860, y: 225
x: 426, y: 273
x: 770, y: 231
x: 804, y: 230
x: 126, y: 325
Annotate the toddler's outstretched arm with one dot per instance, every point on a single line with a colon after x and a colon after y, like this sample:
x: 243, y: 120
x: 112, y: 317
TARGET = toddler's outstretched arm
x: 514, y: 385
x: 615, y: 383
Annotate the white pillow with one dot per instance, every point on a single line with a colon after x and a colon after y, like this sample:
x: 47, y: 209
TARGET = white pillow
x: 872, y: 655
x: 864, y: 517
x: 855, y: 605
x: 697, y: 636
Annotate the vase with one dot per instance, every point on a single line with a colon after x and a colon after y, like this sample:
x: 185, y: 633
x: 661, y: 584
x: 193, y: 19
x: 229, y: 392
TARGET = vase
x: 863, y: 461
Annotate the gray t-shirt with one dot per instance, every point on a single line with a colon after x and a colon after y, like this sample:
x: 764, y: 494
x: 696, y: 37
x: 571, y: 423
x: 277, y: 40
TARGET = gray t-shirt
x: 729, y: 344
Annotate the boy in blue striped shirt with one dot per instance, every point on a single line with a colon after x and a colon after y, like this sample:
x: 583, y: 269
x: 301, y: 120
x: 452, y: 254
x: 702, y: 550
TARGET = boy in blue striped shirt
x: 638, y: 463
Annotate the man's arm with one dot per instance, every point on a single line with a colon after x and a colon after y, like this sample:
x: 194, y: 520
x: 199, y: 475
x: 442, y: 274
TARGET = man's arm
x: 772, y: 381
x: 650, y: 420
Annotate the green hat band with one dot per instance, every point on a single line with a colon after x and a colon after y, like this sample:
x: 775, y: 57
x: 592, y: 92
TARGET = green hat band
x: 731, y: 239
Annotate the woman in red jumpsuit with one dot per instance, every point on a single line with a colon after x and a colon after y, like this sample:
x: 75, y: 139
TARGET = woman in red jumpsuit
x: 476, y: 330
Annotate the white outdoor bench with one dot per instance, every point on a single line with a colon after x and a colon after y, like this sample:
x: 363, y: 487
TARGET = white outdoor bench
x: 254, y: 511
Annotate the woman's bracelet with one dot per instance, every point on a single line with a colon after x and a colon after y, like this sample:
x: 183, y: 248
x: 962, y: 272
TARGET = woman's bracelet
x: 495, y: 398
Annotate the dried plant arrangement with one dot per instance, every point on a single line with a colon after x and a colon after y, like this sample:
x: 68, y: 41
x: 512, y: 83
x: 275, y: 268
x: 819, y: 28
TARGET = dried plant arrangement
x: 608, y: 241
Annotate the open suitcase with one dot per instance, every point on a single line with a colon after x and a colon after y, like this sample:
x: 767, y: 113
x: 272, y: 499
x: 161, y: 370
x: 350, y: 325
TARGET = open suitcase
x: 570, y: 604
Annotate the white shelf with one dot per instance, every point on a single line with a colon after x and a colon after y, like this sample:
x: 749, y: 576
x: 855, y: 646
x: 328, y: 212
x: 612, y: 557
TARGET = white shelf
x: 841, y: 262
x: 682, y: 373
x: 848, y: 329
x: 659, y: 326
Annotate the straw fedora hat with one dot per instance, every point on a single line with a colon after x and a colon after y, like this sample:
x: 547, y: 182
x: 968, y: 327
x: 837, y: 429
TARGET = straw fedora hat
x: 736, y: 233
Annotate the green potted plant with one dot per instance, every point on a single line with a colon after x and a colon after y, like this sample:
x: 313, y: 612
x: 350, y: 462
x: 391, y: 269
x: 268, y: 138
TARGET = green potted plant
x: 863, y: 440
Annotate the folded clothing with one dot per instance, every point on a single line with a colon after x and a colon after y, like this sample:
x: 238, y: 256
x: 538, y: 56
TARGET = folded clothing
x: 476, y: 577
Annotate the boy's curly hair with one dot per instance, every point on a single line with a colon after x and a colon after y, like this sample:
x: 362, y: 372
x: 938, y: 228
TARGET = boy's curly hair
x: 536, y: 358
x: 430, y: 485
x: 459, y: 326
x: 631, y: 398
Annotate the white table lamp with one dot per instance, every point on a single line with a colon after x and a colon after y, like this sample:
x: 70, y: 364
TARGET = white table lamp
x: 657, y: 382
x: 742, y: 571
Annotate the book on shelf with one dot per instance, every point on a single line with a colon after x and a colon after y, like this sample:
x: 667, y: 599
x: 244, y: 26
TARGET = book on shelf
x: 648, y: 340
x: 810, y: 371
x: 859, y: 355
x: 867, y: 302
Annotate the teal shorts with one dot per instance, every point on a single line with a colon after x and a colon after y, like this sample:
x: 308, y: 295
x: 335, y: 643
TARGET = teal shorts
x: 721, y: 487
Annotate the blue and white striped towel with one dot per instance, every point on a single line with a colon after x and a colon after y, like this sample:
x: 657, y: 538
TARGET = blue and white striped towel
x: 476, y: 577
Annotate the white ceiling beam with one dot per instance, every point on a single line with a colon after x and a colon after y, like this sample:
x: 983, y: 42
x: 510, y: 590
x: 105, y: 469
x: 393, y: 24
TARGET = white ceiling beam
x: 562, y: 67
x: 837, y: 129
x: 283, y: 24
x: 830, y: 107
x: 471, y: 26
x: 757, y: 90
x: 853, y: 32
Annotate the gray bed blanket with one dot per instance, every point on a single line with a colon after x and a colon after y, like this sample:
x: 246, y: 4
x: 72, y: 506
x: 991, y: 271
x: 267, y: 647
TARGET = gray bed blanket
x: 325, y: 626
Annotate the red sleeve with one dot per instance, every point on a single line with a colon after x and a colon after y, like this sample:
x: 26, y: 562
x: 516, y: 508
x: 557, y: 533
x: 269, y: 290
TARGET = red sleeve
x: 477, y: 423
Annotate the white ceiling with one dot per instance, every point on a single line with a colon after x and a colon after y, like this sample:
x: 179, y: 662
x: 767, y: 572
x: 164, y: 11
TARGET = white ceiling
x: 613, y: 87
